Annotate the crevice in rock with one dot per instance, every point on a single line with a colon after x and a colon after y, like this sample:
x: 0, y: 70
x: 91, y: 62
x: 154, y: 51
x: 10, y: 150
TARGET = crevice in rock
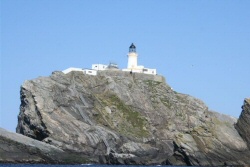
x: 179, y: 152
x: 40, y: 132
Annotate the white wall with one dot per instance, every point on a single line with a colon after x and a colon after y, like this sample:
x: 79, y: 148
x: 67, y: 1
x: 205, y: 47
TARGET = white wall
x: 85, y: 71
x: 90, y: 72
x: 72, y: 69
x: 142, y: 70
x: 149, y: 71
x: 133, y: 70
x: 99, y: 67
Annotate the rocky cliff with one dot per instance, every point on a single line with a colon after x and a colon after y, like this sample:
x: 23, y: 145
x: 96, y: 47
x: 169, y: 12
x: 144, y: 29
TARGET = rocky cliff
x: 243, y: 124
x: 122, y: 118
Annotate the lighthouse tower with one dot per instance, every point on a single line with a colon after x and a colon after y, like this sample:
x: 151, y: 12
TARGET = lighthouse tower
x: 132, y: 57
x: 132, y: 63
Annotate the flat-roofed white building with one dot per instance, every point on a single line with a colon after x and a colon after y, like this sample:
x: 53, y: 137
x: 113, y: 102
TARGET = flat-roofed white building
x: 99, y: 66
x: 149, y: 71
x: 68, y: 70
x: 84, y: 71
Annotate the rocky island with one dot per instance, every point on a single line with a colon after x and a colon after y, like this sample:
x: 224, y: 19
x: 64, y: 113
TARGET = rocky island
x: 118, y: 117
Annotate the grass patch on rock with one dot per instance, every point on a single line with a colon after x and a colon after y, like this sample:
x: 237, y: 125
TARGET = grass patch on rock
x: 128, y: 122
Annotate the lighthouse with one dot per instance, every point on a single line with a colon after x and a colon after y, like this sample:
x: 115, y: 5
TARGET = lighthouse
x: 133, y: 67
x: 132, y: 57
x: 132, y: 63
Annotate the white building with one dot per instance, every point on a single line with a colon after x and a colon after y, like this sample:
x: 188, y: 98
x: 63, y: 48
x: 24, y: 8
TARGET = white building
x: 84, y: 71
x: 149, y: 71
x: 132, y: 63
x: 68, y: 70
x: 99, y: 67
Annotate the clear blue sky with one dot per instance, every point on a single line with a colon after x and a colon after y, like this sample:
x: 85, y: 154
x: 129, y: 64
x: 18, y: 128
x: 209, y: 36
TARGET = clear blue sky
x: 201, y: 47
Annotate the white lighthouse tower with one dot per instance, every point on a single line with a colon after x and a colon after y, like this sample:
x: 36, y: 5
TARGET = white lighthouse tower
x: 132, y: 63
x: 132, y: 57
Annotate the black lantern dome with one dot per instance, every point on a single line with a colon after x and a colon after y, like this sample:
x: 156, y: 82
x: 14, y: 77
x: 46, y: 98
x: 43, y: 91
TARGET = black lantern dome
x: 132, y: 48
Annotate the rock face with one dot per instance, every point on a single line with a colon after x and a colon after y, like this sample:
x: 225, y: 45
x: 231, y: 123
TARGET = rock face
x: 243, y: 124
x: 122, y: 118
x: 16, y: 148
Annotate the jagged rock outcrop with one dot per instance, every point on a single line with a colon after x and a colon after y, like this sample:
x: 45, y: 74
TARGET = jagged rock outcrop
x: 122, y: 118
x: 243, y: 123
x: 16, y: 148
